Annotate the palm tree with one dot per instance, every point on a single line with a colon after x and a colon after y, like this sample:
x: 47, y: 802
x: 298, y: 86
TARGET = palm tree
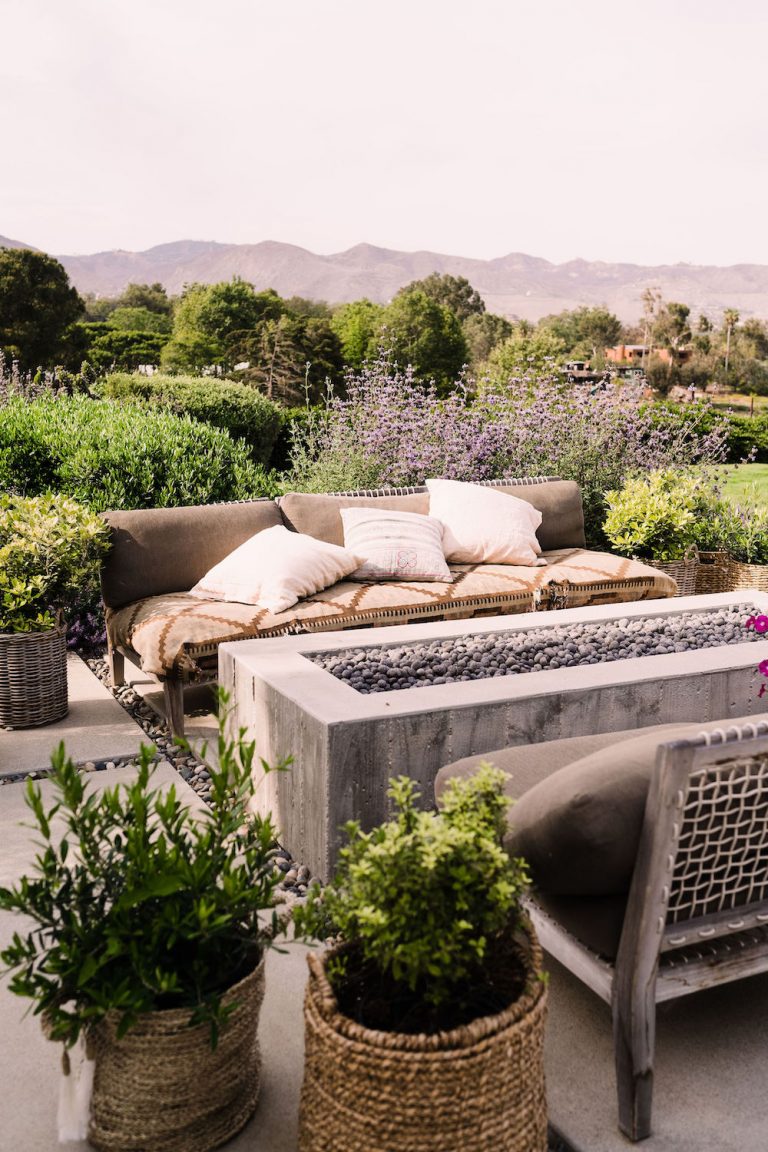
x: 731, y: 319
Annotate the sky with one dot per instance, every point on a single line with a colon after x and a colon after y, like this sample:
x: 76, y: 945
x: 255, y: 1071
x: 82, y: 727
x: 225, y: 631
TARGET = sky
x: 615, y: 130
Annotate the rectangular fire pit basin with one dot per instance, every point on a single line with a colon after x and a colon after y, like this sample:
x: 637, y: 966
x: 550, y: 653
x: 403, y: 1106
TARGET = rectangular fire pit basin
x: 346, y: 745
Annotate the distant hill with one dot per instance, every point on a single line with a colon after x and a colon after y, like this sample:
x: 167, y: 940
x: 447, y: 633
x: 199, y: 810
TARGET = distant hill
x: 513, y: 285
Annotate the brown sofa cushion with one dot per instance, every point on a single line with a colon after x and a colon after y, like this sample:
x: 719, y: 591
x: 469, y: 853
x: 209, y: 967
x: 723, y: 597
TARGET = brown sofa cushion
x: 562, y: 514
x: 318, y: 515
x: 559, y: 501
x: 160, y: 550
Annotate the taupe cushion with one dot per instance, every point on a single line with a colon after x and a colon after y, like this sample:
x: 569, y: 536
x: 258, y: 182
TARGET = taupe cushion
x: 559, y: 501
x: 579, y: 828
x: 160, y: 550
x: 318, y: 515
x: 562, y: 513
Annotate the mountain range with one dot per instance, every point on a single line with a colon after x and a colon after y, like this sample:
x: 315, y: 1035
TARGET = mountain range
x: 515, y: 285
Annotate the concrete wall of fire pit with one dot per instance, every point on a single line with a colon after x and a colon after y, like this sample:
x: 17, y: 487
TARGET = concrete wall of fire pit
x: 346, y: 745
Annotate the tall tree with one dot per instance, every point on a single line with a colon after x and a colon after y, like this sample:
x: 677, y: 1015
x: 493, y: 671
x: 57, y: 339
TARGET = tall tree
x: 730, y: 319
x: 153, y: 297
x: 426, y: 335
x: 484, y: 331
x: 585, y: 332
x: 357, y: 326
x: 37, y: 306
x: 454, y: 292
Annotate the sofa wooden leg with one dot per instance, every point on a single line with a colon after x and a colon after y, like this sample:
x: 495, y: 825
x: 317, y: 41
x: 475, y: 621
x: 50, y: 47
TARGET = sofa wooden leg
x: 116, y: 666
x: 173, y: 692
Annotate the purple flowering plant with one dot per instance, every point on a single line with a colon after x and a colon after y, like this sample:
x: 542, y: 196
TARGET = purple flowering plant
x: 388, y: 428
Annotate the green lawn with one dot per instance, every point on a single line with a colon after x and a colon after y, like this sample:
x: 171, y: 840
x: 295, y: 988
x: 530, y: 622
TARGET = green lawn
x: 742, y: 476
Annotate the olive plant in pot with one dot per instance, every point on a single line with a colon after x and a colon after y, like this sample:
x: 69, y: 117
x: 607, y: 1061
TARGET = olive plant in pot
x: 733, y: 538
x: 146, y: 958
x: 50, y: 552
x: 424, y: 1020
x: 653, y: 518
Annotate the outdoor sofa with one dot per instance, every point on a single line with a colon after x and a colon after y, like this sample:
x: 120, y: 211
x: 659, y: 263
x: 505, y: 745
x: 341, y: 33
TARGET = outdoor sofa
x: 159, y: 554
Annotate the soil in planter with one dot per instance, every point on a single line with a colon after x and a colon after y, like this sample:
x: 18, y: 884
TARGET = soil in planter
x: 375, y: 1000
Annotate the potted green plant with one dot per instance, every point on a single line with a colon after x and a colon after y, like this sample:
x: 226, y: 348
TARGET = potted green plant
x: 653, y: 518
x: 424, y: 1021
x: 50, y: 551
x: 733, y: 540
x: 146, y: 958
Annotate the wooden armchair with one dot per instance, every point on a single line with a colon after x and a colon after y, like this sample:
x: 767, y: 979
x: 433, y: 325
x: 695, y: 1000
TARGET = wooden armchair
x: 697, y: 912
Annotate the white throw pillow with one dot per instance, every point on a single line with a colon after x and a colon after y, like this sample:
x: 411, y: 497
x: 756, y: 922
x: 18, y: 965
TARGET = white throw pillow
x: 483, y: 525
x: 274, y: 568
x: 396, y: 545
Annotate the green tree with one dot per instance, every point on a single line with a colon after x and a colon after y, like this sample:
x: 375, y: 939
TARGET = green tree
x: 454, y: 292
x: 303, y: 306
x: 585, y: 332
x: 357, y: 327
x: 210, y: 322
x: 136, y: 319
x: 730, y: 320
x: 125, y: 350
x: 291, y: 357
x: 541, y: 348
x: 484, y: 331
x: 153, y: 297
x: 37, y: 306
x: 426, y: 335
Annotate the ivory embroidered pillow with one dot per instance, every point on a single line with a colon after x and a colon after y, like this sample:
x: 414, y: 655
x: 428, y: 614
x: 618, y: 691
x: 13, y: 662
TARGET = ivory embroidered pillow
x: 395, y: 545
x: 484, y: 526
x: 274, y: 569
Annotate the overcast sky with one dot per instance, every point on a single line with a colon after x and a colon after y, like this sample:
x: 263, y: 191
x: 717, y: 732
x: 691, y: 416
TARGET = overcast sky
x: 617, y: 130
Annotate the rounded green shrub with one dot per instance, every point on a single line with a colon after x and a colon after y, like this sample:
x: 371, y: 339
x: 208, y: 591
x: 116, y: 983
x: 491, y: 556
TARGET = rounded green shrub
x: 243, y: 412
x: 111, y: 455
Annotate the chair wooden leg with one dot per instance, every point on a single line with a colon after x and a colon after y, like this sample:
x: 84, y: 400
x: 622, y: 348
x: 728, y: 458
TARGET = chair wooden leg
x: 634, y: 1036
x: 173, y: 692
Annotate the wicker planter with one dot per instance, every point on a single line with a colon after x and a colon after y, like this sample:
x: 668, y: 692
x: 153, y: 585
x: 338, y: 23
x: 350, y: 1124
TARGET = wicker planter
x: 684, y: 571
x: 748, y: 576
x: 714, y: 573
x: 162, y: 1089
x: 33, y: 677
x: 480, y: 1086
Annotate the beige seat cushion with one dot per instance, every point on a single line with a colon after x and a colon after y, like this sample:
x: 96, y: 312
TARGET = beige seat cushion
x: 173, y: 632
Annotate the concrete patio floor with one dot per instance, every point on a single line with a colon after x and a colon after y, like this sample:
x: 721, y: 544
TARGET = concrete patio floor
x: 712, y: 1048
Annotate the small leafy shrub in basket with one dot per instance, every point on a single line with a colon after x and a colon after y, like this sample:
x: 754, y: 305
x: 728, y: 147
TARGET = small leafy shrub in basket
x: 50, y: 552
x: 139, y: 903
x: 654, y: 517
x: 424, y: 906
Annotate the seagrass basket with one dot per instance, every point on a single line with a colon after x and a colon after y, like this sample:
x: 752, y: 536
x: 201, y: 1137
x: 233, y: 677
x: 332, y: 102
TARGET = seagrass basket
x: 33, y: 677
x: 160, y: 1088
x: 683, y: 571
x: 714, y: 573
x: 748, y: 576
x: 480, y: 1086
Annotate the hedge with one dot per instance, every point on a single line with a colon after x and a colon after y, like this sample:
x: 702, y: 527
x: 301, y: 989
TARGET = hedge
x: 243, y: 412
x: 114, y: 455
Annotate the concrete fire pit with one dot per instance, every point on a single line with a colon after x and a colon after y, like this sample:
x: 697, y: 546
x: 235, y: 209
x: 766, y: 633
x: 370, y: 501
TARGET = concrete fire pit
x: 346, y: 744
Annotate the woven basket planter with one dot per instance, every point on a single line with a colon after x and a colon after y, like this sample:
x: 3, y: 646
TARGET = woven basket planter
x: 714, y: 573
x: 684, y: 571
x: 33, y: 677
x: 162, y: 1089
x: 748, y: 576
x: 480, y: 1086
